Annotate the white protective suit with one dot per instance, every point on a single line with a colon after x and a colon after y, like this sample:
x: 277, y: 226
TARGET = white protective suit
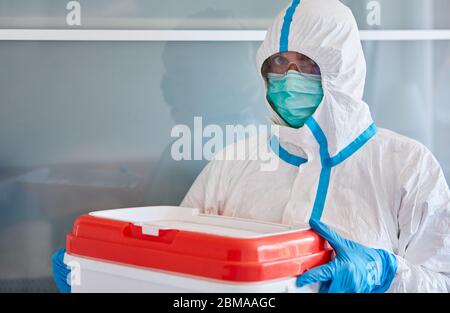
x: 371, y: 185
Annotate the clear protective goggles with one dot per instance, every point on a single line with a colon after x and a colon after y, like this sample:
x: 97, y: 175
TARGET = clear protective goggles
x: 281, y: 63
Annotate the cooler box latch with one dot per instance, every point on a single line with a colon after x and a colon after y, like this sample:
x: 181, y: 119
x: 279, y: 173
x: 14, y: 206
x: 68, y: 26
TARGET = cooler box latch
x: 151, y: 232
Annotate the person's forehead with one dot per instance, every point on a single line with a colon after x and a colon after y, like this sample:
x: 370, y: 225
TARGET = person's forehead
x: 293, y: 55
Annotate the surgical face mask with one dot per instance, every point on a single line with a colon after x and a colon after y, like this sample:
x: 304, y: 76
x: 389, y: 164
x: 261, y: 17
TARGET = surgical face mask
x: 295, y: 96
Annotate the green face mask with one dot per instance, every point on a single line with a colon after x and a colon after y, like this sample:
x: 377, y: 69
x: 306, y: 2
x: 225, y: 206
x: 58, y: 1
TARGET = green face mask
x: 295, y: 96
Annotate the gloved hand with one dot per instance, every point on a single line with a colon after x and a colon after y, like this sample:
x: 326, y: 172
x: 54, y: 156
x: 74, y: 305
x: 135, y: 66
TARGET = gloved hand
x: 356, y: 268
x: 61, y: 271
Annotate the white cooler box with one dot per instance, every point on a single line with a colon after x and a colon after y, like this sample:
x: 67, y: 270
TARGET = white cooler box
x: 174, y: 249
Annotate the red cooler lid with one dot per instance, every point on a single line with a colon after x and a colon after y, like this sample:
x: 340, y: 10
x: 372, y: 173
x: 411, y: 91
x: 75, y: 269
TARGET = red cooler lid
x: 184, y: 241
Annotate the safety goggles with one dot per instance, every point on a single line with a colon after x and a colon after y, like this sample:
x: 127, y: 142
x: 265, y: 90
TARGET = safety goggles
x: 280, y: 64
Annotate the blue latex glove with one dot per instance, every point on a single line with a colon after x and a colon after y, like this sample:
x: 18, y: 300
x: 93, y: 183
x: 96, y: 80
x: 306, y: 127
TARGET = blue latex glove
x: 356, y: 268
x: 61, y: 271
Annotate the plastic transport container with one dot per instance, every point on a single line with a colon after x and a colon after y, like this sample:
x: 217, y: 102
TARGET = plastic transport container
x: 175, y: 249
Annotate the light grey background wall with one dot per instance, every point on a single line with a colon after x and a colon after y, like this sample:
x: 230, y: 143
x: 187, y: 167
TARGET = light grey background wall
x: 86, y: 125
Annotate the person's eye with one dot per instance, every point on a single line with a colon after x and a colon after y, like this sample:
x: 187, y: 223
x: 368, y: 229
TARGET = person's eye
x: 279, y: 60
x: 308, y: 63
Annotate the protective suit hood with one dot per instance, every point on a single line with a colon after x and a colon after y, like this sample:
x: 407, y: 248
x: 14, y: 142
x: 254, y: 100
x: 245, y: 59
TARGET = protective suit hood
x: 326, y: 32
